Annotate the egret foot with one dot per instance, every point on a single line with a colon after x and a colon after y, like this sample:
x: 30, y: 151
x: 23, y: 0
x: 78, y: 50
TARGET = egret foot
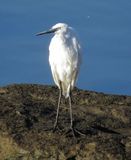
x: 75, y: 132
x: 56, y: 127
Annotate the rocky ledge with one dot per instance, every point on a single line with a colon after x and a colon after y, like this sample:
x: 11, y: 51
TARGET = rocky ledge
x: 27, y: 114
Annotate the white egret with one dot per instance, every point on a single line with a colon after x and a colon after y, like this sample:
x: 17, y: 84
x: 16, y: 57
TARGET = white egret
x: 65, y: 60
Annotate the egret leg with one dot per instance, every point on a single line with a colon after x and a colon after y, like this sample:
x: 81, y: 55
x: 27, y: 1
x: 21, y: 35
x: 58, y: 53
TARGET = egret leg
x: 74, y: 131
x: 71, y: 116
x: 58, y: 107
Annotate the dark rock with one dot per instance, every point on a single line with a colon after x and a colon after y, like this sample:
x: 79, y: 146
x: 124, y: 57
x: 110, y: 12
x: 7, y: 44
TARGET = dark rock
x: 27, y: 115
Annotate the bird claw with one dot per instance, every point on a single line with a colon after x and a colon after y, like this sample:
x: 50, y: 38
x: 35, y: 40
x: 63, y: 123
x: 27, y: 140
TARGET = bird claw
x: 75, y: 132
x: 56, y: 127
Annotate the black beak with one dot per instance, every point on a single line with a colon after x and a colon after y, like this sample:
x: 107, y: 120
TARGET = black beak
x: 47, y: 32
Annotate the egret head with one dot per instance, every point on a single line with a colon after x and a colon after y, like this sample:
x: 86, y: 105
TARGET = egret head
x: 57, y: 28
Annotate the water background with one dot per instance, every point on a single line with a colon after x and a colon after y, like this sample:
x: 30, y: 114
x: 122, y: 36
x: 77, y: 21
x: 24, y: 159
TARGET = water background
x: 104, y: 29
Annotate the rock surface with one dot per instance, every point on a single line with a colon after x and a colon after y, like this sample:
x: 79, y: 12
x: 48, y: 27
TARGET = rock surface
x: 27, y: 115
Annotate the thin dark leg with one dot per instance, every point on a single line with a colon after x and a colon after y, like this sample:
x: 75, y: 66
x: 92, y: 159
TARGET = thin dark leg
x: 71, y: 116
x: 74, y: 131
x: 58, y: 107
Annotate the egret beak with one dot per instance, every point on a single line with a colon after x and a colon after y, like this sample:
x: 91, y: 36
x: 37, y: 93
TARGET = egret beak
x: 47, y: 32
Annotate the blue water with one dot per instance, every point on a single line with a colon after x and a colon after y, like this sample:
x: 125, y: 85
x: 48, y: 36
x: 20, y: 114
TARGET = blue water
x: 104, y: 29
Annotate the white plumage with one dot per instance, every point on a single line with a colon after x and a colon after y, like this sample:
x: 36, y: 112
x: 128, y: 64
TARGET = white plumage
x: 64, y: 59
